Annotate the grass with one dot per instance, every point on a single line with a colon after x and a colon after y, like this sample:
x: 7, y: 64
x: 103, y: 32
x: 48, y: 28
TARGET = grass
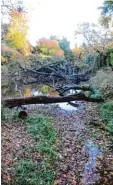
x: 39, y: 167
x: 41, y: 171
x: 42, y: 127
x: 9, y: 115
x: 29, y: 172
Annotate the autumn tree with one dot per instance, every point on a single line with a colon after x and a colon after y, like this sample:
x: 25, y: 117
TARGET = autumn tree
x: 49, y: 47
x: 96, y: 38
x: 17, y: 32
x: 8, y: 5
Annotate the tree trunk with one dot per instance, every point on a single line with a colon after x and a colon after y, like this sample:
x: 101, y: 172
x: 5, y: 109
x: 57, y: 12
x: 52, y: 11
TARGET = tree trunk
x: 48, y: 99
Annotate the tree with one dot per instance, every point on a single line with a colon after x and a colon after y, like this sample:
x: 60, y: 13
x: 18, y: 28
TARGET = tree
x: 78, y: 51
x: 64, y: 44
x: 17, y: 32
x: 107, y: 13
x: 107, y: 8
x: 96, y: 38
x: 8, y: 5
x: 48, y: 47
x: 54, y: 37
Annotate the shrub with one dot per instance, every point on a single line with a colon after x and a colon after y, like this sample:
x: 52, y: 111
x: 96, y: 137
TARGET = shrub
x: 106, y: 113
x: 103, y: 81
x: 9, y: 54
x: 93, y: 60
x: 109, y: 126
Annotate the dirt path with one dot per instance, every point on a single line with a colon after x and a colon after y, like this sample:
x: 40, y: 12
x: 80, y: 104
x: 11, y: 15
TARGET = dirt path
x: 81, y: 144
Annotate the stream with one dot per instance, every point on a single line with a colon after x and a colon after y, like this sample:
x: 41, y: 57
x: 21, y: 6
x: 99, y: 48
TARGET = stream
x: 93, y: 152
x: 89, y: 148
x: 38, y: 91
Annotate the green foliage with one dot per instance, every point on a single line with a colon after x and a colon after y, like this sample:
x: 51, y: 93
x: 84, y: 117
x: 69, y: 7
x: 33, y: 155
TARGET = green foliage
x: 41, y: 127
x: 109, y: 126
x: 8, y: 115
x: 106, y: 113
x: 45, y: 89
x: 110, y: 56
x: 111, y: 59
x: 64, y: 44
x: 29, y: 172
x: 45, y: 51
x: 93, y: 60
x: 96, y: 95
x: 69, y: 55
x: 106, y: 13
x: 107, y: 7
x: 48, y: 47
x: 32, y: 171
x: 82, y: 65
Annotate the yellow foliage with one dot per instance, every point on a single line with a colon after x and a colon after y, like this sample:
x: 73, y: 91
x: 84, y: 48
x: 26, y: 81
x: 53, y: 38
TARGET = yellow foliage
x: 17, y: 32
x: 77, y: 50
x: 9, y: 54
x: 27, y: 92
x: 3, y: 59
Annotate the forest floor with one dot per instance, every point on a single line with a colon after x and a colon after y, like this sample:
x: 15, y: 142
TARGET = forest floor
x: 85, y: 150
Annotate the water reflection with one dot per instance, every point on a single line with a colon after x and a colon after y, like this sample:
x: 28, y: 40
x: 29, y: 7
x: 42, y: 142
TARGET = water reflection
x: 38, y: 90
x: 90, y: 149
x: 66, y: 107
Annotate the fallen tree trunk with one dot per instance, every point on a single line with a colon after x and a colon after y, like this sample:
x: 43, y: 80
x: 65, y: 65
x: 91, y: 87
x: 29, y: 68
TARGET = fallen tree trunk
x: 47, y: 99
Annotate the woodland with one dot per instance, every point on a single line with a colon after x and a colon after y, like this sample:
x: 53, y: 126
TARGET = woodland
x: 57, y: 103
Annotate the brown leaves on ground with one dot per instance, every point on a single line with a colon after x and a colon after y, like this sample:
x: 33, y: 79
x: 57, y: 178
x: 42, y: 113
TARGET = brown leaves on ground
x: 14, y: 140
x: 74, y: 129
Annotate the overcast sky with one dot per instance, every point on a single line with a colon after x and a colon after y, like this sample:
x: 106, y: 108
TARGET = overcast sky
x: 59, y: 17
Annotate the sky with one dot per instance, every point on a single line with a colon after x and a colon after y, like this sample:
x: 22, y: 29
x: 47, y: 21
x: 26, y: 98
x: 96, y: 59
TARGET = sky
x: 60, y: 17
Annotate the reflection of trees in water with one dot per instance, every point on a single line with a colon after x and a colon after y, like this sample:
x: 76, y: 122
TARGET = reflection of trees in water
x: 12, y: 88
x: 18, y: 89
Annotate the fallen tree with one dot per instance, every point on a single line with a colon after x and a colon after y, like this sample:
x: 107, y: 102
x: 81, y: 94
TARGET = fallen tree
x: 47, y: 99
x: 58, y: 72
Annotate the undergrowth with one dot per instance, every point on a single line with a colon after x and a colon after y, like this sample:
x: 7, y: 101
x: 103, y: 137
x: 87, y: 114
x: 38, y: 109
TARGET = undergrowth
x: 8, y: 115
x: 39, y: 167
x: 106, y: 114
x: 41, y: 171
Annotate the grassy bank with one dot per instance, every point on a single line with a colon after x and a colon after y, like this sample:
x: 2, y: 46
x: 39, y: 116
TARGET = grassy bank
x: 106, y: 114
x: 37, y: 162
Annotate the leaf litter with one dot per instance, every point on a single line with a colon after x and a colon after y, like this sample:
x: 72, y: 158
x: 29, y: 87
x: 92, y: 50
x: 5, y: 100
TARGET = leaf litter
x: 74, y: 158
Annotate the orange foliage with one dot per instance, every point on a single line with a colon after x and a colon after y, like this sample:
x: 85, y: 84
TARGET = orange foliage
x: 51, y: 45
x: 9, y: 54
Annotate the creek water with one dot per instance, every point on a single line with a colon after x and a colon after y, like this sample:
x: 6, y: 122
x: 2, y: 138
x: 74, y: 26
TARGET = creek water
x: 93, y: 152
x: 26, y: 91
